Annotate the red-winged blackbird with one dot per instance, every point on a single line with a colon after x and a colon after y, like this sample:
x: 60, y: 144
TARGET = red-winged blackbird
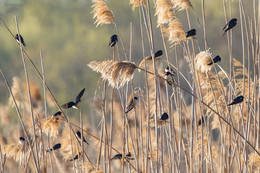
x: 191, y: 33
x: 131, y: 104
x: 79, y: 136
x: 237, y: 100
x: 232, y: 23
x: 113, y: 41
x: 19, y: 39
x: 76, y: 103
x: 215, y: 60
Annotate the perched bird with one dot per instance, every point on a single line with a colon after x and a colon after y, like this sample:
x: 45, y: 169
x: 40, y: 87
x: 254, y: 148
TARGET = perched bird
x: 215, y: 60
x: 202, y: 120
x: 164, y: 116
x: 191, y: 33
x: 129, y: 156
x: 168, y: 76
x: 55, y: 147
x: 113, y: 41
x: 76, y: 103
x: 117, y: 156
x: 22, y: 140
x: 167, y: 69
x: 19, y: 39
x: 237, y: 100
x: 79, y: 136
x: 131, y: 103
x: 232, y: 23
x: 56, y: 114
x: 148, y: 60
x: 75, y: 158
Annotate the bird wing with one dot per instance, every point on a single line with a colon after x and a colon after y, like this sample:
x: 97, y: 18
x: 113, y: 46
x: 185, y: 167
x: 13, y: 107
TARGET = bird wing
x: 80, y: 95
x: 225, y: 26
x: 130, y: 106
x: 67, y: 105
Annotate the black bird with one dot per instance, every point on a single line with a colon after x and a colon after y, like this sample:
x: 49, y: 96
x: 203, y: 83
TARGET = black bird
x: 131, y: 104
x: 117, y: 156
x: 113, y: 41
x: 55, y: 147
x: 22, y: 140
x: 232, y: 23
x: 56, y: 114
x: 79, y: 136
x: 164, y: 116
x: 167, y: 69
x: 129, y: 156
x: 237, y: 100
x: 168, y: 76
x: 191, y: 33
x: 215, y: 60
x: 75, y: 158
x: 202, y: 120
x: 21, y: 40
x: 76, y: 103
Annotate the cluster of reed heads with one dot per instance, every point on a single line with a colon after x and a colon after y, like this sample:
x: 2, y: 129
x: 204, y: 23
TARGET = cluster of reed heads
x: 182, y: 126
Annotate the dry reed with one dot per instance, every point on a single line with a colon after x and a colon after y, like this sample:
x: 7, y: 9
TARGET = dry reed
x: 117, y: 73
x: 102, y: 13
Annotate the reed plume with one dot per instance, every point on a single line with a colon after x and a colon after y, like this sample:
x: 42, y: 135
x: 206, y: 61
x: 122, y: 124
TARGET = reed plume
x: 51, y: 125
x: 16, y: 151
x: 117, y: 73
x: 164, y: 11
x: 102, y: 13
x: 181, y: 4
x: 137, y: 3
x: 17, y: 92
x: 175, y: 31
x: 202, y: 60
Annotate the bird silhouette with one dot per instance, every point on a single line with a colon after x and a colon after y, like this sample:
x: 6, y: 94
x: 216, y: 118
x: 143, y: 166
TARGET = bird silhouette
x: 167, y: 69
x: 56, y: 114
x: 117, y: 156
x: 79, y: 136
x: 237, y: 100
x: 76, y: 103
x: 75, y: 158
x: 231, y: 24
x: 131, y: 104
x: 164, y: 116
x: 19, y: 39
x: 22, y: 140
x: 55, y: 147
x: 215, y: 60
x: 191, y: 33
x: 129, y: 156
x: 113, y: 41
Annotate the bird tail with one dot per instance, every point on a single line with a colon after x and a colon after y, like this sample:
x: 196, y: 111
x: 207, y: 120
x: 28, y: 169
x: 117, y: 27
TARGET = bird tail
x: 224, y: 33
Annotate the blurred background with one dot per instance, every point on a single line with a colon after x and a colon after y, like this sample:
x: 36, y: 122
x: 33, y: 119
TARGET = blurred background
x: 66, y: 34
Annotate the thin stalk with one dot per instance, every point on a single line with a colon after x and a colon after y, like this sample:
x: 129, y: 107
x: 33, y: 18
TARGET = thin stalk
x: 29, y: 95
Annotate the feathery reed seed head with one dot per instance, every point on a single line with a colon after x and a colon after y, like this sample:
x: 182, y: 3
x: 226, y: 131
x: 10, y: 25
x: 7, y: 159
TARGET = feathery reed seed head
x: 175, y: 31
x: 181, y: 4
x: 116, y: 72
x: 202, y: 60
x: 164, y: 11
x: 102, y: 13
x: 137, y: 3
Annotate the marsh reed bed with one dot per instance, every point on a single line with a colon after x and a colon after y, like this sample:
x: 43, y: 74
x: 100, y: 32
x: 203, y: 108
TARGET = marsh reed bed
x: 205, y: 120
